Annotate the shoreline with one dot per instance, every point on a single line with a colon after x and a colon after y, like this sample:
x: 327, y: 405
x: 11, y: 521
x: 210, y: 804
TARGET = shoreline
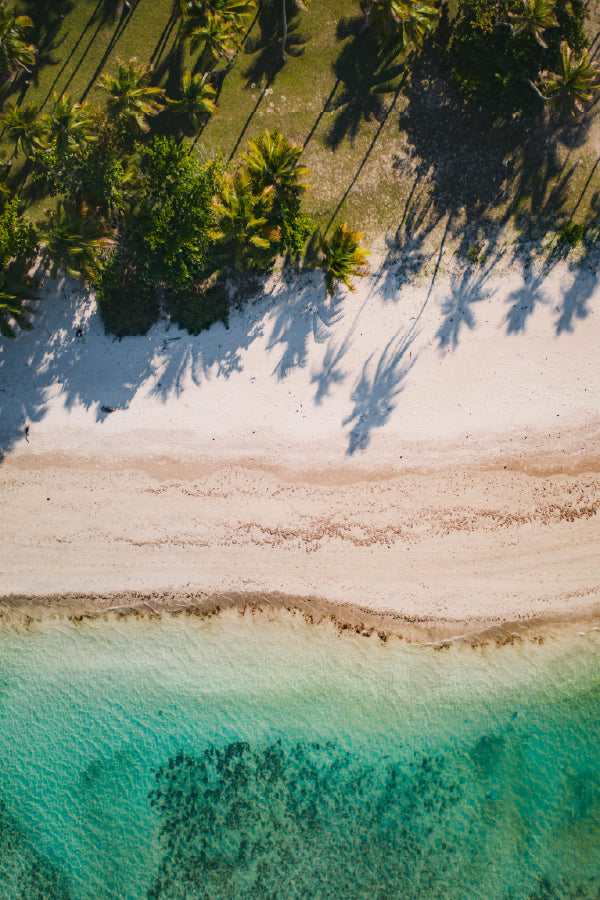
x: 28, y: 611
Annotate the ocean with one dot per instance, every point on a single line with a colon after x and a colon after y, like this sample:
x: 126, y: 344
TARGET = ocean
x: 248, y: 756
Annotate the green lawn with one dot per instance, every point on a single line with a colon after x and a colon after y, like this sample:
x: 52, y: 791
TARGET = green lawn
x: 398, y: 159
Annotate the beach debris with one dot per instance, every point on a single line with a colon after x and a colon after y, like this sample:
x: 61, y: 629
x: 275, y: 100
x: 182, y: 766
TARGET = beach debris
x: 27, y: 433
x: 108, y: 409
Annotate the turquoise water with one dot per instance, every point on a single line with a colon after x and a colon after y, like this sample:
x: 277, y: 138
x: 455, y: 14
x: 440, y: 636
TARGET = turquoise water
x: 247, y: 758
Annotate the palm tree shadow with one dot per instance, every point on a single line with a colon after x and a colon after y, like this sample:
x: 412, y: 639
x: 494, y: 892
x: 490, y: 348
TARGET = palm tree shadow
x: 264, y: 48
x: 457, y: 309
x: 365, y: 80
x: 523, y: 302
x: 483, y: 168
x: 331, y: 372
x: 574, y: 302
x: 376, y: 393
x: 407, y: 253
x: 296, y: 321
x: 52, y: 358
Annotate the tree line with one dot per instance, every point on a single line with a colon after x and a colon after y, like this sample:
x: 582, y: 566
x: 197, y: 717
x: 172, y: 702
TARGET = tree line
x: 150, y: 225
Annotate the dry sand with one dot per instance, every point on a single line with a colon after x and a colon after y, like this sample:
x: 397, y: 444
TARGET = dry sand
x: 430, y: 451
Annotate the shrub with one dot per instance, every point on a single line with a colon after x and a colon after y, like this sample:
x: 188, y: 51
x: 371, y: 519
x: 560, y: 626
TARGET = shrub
x: 572, y: 234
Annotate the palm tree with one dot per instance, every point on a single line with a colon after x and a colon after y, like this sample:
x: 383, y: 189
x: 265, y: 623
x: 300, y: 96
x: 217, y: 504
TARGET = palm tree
x: 343, y: 258
x: 131, y: 99
x: 69, y: 126
x: 23, y: 126
x: 15, y: 309
x: 401, y: 26
x: 197, y: 99
x: 15, y: 52
x: 74, y: 241
x: 535, y: 17
x: 218, y: 38
x: 217, y: 25
x: 574, y: 85
x: 273, y: 161
x: 243, y: 226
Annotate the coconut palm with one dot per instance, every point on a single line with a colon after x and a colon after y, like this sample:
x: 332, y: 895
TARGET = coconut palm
x: 197, y: 99
x: 218, y: 37
x: 243, y: 226
x: 343, y: 258
x: 535, y: 17
x: 74, y: 241
x: 15, y: 308
x: 23, y: 126
x: 69, y: 126
x: 401, y: 26
x: 574, y: 84
x: 217, y: 25
x: 15, y: 52
x: 131, y: 99
x: 273, y: 161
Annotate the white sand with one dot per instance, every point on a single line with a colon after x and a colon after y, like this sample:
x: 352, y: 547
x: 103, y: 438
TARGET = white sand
x: 430, y: 448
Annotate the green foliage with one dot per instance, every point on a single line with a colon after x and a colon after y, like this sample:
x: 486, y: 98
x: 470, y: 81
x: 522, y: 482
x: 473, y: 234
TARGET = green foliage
x: 342, y: 258
x: 128, y: 305
x: 197, y: 99
x: 74, y: 241
x: 401, y: 26
x: 535, y: 18
x: 218, y: 26
x: 499, y: 47
x: 574, y: 84
x: 15, y: 53
x: 96, y: 172
x: 273, y: 162
x: 475, y: 255
x: 572, y: 234
x: 68, y: 127
x: 17, y: 245
x: 17, y: 235
x: 23, y: 126
x: 296, y: 228
x: 244, y: 228
x: 131, y: 99
x: 197, y: 309
x: 171, y: 221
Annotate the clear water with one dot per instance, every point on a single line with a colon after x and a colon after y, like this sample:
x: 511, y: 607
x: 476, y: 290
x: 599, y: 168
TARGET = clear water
x: 246, y: 758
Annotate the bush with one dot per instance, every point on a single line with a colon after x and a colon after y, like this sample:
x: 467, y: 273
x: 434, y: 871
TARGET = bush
x: 572, y: 234
x: 296, y: 228
x: 127, y: 304
x: 197, y: 310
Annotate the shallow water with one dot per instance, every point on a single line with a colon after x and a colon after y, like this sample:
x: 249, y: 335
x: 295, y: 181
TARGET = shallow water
x: 248, y: 758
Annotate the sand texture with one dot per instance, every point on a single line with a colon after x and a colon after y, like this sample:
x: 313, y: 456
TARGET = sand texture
x: 429, y: 450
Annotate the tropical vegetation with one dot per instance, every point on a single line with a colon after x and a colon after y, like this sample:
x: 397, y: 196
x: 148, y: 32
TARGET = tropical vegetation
x: 128, y: 200
x: 16, y: 54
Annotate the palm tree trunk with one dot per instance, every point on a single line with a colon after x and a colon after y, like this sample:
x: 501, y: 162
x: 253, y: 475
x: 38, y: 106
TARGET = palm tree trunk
x: 284, y: 37
x: 367, y: 8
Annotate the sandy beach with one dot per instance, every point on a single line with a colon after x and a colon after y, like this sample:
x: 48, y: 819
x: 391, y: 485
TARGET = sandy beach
x: 427, y: 450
